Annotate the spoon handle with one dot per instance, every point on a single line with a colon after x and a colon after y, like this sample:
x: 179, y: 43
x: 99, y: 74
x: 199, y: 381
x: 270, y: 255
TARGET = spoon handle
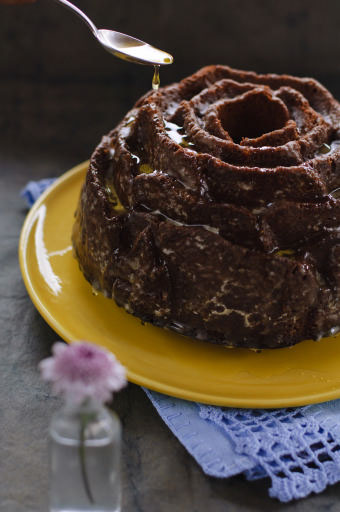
x: 80, y: 13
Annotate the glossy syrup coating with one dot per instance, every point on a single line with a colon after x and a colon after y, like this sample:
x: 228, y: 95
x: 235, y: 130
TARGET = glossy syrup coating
x: 212, y: 209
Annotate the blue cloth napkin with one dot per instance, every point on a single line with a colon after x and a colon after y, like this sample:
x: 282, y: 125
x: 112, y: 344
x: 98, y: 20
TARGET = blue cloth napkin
x: 297, y: 448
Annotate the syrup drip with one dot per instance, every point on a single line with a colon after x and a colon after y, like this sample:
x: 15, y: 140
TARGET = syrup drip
x: 325, y: 148
x: 145, y: 169
x: 288, y: 253
x: 155, y: 79
x: 113, y: 198
x: 177, y: 134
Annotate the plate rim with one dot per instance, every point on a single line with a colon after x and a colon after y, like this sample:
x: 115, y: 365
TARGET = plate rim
x: 24, y: 233
x: 66, y: 335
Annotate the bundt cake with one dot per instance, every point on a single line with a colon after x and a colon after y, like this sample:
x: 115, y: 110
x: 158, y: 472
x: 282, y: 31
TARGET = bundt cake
x: 213, y: 209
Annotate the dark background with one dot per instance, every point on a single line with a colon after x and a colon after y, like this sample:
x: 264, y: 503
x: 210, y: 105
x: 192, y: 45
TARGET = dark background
x: 59, y: 93
x: 58, y: 76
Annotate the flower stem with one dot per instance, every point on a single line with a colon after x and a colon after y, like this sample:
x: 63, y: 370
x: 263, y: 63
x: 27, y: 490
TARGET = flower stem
x: 83, y: 424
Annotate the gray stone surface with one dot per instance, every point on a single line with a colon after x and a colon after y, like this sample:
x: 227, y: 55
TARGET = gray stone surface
x: 58, y: 94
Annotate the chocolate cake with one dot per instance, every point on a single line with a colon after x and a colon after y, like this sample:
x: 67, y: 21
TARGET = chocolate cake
x: 213, y: 209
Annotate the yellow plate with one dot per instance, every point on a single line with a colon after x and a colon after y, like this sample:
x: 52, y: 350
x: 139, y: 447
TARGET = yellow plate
x: 161, y: 360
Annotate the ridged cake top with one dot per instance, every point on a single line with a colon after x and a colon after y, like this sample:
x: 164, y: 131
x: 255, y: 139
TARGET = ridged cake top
x: 231, y: 143
x: 213, y: 209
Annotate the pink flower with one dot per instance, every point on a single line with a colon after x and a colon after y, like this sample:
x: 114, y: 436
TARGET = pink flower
x: 83, y: 370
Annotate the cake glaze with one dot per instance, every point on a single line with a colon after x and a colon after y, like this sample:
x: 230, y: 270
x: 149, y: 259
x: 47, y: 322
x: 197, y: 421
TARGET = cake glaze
x: 212, y: 209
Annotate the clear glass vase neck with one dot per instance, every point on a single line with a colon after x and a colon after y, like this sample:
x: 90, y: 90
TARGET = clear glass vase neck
x: 89, y: 404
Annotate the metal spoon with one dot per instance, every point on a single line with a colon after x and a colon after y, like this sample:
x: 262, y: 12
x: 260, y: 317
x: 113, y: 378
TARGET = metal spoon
x: 123, y: 46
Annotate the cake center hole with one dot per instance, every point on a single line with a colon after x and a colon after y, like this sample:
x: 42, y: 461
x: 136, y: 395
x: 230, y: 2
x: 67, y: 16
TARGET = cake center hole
x: 252, y: 116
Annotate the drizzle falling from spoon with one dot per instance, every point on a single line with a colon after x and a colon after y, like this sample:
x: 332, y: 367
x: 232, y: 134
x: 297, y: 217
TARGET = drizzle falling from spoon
x: 156, y: 80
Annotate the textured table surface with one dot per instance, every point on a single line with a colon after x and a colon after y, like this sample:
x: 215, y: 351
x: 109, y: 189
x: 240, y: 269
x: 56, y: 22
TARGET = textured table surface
x: 58, y: 95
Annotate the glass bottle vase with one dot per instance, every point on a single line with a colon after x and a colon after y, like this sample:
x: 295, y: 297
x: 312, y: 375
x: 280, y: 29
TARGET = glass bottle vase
x: 85, y: 446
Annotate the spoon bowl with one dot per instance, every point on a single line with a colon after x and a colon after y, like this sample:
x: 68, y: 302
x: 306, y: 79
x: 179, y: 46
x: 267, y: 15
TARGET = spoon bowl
x: 131, y: 49
x: 122, y: 45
